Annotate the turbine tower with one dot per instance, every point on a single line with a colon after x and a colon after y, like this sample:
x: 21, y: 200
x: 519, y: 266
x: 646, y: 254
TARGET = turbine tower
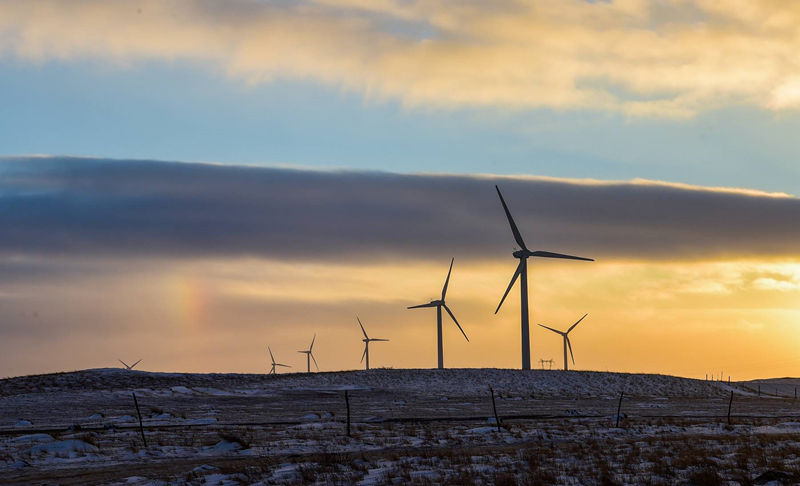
x: 127, y: 366
x: 272, y: 370
x: 522, y: 273
x: 309, y: 355
x: 567, y: 344
x: 366, y: 340
x: 439, y: 304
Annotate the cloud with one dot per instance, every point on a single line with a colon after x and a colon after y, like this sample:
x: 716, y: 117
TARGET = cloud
x: 670, y: 58
x: 95, y: 209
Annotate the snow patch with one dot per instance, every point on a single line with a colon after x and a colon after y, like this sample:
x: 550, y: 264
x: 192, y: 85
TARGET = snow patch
x: 224, y: 446
x: 31, y: 439
x: 64, y: 448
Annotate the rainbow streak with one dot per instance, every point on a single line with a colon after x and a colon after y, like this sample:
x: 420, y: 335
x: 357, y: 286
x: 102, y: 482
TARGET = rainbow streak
x: 189, y: 298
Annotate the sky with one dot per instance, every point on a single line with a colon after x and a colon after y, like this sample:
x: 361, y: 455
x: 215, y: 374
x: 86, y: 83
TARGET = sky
x: 188, y: 182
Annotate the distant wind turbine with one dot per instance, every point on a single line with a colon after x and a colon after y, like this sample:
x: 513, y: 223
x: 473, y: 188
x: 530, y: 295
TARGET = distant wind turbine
x: 567, y: 344
x: 272, y: 370
x: 522, y: 271
x: 127, y: 366
x: 439, y: 304
x: 366, y: 340
x: 309, y: 355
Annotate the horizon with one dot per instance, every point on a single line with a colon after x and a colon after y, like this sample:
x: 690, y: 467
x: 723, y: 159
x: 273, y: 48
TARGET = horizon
x: 390, y: 368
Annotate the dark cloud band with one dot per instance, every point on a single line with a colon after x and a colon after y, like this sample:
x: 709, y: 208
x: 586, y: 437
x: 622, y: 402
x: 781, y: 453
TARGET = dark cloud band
x: 61, y: 206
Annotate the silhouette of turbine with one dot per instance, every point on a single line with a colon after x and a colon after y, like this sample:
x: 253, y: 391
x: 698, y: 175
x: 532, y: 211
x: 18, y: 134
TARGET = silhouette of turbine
x: 522, y: 273
x: 439, y: 304
x: 127, y: 366
x: 310, y: 356
x: 366, y: 340
x: 272, y: 370
x: 565, y: 335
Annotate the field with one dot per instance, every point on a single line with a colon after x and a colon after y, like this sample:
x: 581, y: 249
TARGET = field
x: 407, y: 427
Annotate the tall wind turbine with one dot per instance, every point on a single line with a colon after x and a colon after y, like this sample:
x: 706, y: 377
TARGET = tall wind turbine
x: 366, y: 340
x: 522, y: 272
x: 565, y: 335
x: 439, y: 304
x: 309, y: 355
x: 272, y: 370
x: 127, y: 366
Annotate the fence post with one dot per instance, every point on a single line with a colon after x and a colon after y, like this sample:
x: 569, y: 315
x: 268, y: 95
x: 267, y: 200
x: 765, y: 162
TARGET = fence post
x: 494, y: 409
x: 730, y: 403
x: 619, y: 407
x: 139, y: 414
x: 347, y: 404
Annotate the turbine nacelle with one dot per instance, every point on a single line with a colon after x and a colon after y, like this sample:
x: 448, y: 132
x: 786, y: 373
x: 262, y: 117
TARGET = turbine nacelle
x: 434, y: 303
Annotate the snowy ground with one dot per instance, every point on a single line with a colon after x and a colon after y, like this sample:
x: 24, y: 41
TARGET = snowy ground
x: 408, y: 427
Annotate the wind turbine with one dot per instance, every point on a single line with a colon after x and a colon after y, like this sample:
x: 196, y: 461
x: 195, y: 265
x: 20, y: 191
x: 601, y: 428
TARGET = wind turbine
x: 366, y: 340
x: 309, y: 355
x: 439, y: 304
x: 522, y: 272
x: 127, y: 366
x: 272, y: 370
x: 565, y: 335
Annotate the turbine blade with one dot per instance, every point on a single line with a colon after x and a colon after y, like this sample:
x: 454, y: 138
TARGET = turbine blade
x: 285, y: 366
x: 555, y: 331
x: 362, y: 327
x: 447, y: 280
x: 514, y: 230
x: 377, y: 339
x: 511, y: 284
x: 454, y: 320
x: 312, y: 342
x: 270, y: 355
x: 569, y: 345
x: 365, y: 353
x: 579, y: 321
x: 124, y: 363
x: 420, y: 306
x: 314, y: 360
x: 550, y: 254
x: 134, y: 364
